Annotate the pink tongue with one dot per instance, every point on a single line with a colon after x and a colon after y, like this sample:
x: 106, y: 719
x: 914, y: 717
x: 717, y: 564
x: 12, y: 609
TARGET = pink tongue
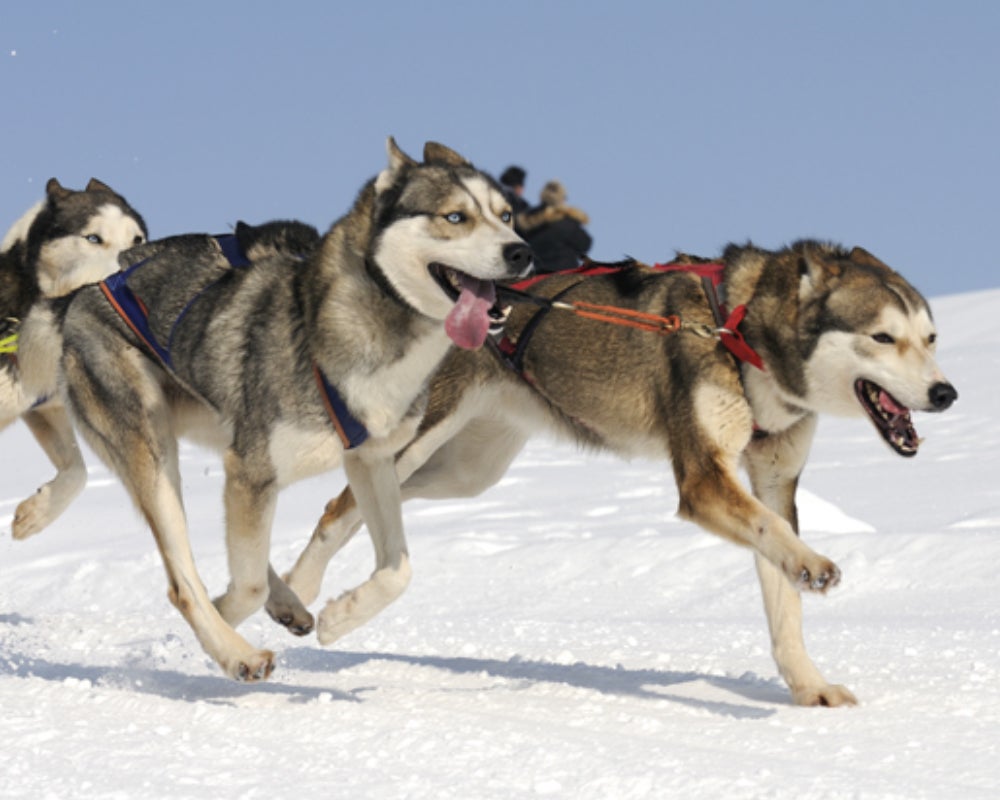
x: 886, y: 401
x: 469, y: 321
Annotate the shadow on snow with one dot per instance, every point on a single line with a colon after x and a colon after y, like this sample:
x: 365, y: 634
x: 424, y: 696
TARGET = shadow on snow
x: 645, y: 684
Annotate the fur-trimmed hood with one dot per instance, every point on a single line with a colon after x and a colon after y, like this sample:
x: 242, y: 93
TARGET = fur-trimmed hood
x: 553, y: 194
x: 552, y: 208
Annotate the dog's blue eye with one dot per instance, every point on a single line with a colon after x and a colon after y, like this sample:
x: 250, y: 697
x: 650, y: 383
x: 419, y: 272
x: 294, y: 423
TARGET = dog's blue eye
x: 455, y: 217
x: 883, y: 338
x: 93, y: 238
x: 506, y: 216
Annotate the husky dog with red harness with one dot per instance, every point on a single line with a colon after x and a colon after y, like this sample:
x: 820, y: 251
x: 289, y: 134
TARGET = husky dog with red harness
x: 63, y: 242
x: 288, y: 355
x: 739, y: 377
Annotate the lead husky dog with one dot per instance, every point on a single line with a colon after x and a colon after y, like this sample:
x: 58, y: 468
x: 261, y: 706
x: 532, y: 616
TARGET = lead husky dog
x: 838, y: 332
x: 68, y: 239
x: 285, y: 362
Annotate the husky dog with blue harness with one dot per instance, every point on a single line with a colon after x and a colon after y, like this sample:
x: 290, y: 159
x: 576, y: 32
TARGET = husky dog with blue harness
x: 291, y: 356
x: 68, y: 239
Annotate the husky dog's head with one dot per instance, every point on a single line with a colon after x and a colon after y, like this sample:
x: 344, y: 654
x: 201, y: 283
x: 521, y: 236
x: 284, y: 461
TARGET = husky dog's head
x: 444, y: 232
x: 72, y: 238
x: 867, y: 340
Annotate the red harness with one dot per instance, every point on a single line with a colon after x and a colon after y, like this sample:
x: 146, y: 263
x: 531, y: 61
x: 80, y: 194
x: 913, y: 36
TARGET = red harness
x: 711, y: 275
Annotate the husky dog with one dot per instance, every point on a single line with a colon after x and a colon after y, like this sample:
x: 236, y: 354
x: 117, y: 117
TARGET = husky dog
x: 289, y: 363
x: 65, y: 241
x: 837, y: 332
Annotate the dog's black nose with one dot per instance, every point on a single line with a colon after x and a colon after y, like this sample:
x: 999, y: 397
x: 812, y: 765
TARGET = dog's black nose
x: 942, y: 395
x: 518, y: 257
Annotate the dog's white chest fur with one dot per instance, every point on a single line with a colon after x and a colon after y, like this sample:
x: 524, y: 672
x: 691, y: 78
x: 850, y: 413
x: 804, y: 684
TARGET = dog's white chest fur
x: 299, y: 452
x: 387, y: 393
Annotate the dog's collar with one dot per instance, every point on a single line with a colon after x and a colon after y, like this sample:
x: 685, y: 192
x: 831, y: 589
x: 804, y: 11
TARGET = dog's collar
x: 8, y: 344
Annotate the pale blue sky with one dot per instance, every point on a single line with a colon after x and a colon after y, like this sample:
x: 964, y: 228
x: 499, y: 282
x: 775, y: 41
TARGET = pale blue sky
x: 674, y: 125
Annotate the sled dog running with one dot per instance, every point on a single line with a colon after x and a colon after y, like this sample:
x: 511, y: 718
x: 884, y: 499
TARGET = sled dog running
x: 68, y: 239
x: 837, y: 332
x: 289, y: 359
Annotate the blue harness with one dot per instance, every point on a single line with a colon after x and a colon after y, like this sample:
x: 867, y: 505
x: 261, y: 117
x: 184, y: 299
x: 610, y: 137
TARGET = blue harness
x: 131, y: 309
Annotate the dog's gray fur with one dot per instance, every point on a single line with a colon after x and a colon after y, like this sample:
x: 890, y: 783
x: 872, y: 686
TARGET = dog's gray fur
x: 833, y: 327
x: 366, y: 306
x: 63, y: 242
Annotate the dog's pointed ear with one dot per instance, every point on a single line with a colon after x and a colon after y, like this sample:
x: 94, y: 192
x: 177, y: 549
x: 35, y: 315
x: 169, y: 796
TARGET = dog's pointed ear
x: 437, y: 153
x: 398, y: 161
x: 55, y: 190
x: 94, y: 185
x: 861, y: 256
x: 815, y: 270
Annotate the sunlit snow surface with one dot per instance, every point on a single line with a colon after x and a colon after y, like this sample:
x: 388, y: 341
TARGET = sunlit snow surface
x: 565, y: 635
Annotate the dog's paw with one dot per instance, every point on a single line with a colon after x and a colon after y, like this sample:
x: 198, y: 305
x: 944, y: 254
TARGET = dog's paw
x: 258, y: 666
x: 32, y: 515
x: 285, y: 608
x: 337, y: 618
x: 298, y: 620
x: 815, y: 574
x: 356, y: 606
x: 831, y: 695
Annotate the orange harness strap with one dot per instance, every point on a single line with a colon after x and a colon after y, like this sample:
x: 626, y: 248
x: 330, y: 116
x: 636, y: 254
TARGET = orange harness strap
x: 624, y: 316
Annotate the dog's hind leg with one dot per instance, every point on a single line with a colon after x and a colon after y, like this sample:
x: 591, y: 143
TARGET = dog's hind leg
x: 161, y: 505
x: 284, y: 606
x: 376, y: 490
x: 52, y: 428
x: 340, y: 521
x: 774, y: 464
x: 123, y: 413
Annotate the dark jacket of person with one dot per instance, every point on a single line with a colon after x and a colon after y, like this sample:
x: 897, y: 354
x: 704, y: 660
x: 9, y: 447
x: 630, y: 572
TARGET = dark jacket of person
x: 517, y: 203
x: 555, y: 231
x: 512, y: 183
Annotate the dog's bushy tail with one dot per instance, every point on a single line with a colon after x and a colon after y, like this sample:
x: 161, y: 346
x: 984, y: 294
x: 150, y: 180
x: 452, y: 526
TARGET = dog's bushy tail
x: 39, y: 350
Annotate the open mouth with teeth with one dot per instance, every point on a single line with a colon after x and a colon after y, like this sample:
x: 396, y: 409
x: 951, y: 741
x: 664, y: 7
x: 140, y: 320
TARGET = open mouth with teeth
x: 892, y: 419
x: 476, y: 313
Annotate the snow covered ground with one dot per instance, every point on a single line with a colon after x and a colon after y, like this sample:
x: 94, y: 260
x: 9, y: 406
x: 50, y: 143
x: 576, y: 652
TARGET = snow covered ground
x: 564, y: 636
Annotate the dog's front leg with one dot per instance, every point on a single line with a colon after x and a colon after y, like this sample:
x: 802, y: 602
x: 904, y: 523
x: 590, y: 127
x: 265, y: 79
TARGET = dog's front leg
x: 250, y: 499
x: 342, y: 518
x: 774, y: 464
x: 455, y: 458
x: 52, y: 428
x: 375, y: 485
x: 783, y: 606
